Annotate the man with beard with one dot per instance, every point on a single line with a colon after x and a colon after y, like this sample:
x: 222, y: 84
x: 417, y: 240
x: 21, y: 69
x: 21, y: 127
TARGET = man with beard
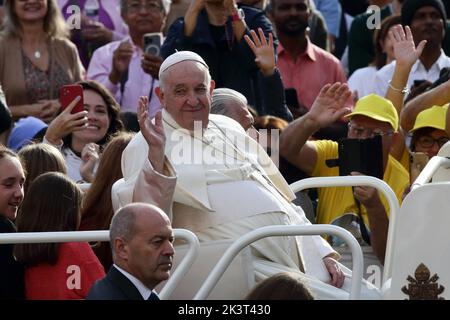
x: 427, y: 19
x: 303, y: 66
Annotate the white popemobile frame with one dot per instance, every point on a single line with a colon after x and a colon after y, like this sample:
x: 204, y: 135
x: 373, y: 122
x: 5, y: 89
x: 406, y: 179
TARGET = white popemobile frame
x: 103, y: 235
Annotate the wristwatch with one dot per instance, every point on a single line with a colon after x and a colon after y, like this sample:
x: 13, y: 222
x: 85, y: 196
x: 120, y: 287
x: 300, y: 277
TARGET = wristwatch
x: 237, y: 15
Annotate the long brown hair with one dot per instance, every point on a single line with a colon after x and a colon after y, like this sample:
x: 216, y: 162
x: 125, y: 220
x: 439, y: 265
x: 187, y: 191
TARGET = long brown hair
x: 97, y: 210
x: 281, y: 286
x: 54, y: 24
x: 6, y: 152
x: 52, y: 204
x: 40, y: 158
x: 97, y: 207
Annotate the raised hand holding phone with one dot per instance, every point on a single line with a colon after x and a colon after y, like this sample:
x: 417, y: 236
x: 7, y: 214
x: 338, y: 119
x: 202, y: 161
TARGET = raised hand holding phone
x: 68, y: 93
x: 151, y: 60
x: 66, y: 123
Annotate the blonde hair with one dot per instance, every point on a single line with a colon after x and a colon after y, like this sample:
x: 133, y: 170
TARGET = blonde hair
x: 54, y: 24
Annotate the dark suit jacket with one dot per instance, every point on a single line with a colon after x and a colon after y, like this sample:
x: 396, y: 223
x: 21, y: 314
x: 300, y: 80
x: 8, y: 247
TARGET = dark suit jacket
x: 12, y: 285
x: 114, y: 286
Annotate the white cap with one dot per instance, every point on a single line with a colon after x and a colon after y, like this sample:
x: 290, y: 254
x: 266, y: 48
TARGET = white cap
x: 178, y: 57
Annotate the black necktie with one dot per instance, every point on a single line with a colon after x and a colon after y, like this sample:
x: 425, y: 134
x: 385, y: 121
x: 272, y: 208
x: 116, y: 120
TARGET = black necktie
x: 153, y: 296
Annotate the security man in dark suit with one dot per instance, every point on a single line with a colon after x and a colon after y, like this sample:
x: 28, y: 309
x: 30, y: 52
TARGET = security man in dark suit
x: 142, y: 247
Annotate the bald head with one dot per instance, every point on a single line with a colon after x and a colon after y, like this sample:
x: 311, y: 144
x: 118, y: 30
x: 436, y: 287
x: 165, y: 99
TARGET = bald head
x: 124, y: 222
x: 142, y: 242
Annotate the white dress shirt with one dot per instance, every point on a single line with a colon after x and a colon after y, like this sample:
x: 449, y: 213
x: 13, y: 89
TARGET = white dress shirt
x: 418, y: 72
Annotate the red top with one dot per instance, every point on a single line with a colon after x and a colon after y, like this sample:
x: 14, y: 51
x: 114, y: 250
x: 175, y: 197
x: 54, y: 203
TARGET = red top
x: 309, y: 72
x: 75, y: 271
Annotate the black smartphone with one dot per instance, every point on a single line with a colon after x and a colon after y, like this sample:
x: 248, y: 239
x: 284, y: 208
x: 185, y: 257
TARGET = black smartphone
x: 361, y: 155
x: 152, y: 43
x: 417, y: 83
x: 444, y: 76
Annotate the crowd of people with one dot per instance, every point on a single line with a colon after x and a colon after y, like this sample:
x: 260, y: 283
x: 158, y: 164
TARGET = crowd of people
x: 239, y: 99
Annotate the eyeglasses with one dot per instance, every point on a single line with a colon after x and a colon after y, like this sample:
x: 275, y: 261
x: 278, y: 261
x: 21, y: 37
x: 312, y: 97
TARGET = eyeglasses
x: 363, y: 133
x: 136, y: 6
x: 428, y: 142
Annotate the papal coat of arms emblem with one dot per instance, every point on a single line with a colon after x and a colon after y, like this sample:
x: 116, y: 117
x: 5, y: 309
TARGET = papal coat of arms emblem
x: 423, y: 287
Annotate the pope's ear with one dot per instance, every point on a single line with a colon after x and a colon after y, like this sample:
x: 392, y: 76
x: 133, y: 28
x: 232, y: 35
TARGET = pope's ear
x: 160, y: 95
x: 212, y: 86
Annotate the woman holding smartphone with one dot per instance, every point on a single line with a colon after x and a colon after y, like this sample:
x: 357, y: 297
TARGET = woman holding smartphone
x: 80, y: 136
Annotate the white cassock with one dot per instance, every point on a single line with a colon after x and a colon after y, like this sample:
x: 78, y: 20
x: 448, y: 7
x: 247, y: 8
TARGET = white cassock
x: 226, y: 186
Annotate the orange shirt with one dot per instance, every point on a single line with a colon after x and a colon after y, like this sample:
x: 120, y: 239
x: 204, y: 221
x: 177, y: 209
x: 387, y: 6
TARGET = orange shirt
x: 309, y: 72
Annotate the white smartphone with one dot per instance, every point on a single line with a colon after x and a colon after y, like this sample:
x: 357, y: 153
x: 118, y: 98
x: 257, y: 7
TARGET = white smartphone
x: 152, y: 43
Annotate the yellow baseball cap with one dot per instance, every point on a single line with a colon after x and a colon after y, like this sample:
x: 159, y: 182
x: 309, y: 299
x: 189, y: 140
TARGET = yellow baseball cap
x: 433, y: 117
x: 378, y: 108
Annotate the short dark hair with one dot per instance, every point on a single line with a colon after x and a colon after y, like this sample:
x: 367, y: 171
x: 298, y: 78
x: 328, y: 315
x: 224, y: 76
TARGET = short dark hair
x: 271, y: 5
x: 410, y: 7
x: 52, y: 204
x: 281, y: 286
x: 97, y: 208
x: 418, y: 134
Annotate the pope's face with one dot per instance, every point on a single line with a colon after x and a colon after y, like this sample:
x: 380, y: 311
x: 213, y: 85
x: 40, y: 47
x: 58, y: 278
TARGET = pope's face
x: 185, y: 93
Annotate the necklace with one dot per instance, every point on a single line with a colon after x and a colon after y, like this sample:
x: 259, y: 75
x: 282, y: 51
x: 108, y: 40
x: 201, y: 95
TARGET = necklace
x: 37, y: 54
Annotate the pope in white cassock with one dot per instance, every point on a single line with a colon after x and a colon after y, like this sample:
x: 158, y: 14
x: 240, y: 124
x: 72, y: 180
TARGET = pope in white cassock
x: 213, y: 179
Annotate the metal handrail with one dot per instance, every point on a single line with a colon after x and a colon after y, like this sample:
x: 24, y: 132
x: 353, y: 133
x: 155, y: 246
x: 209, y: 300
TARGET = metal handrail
x: 270, y: 231
x: 349, y: 181
x: 103, y: 235
x: 430, y: 169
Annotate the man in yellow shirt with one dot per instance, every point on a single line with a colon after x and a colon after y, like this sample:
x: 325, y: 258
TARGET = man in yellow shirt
x: 372, y: 116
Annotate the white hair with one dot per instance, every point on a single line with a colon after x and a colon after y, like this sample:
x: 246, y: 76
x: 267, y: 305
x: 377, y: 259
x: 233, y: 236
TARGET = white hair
x: 165, y: 3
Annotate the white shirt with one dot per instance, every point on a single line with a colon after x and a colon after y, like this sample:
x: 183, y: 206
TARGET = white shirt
x: 143, y: 290
x: 418, y: 72
x: 361, y: 82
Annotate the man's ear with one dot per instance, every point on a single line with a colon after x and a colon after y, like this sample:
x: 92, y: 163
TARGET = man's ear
x: 124, y: 17
x: 121, y: 248
x: 212, y: 86
x: 160, y: 95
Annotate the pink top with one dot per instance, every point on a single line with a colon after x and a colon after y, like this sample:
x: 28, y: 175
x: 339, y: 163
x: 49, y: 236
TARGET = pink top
x: 309, y: 72
x: 138, y: 84
x: 73, y: 275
